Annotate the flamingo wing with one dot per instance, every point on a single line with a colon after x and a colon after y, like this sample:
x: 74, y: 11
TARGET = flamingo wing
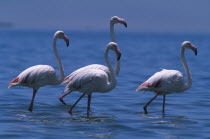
x: 88, y: 81
x: 83, y: 69
x: 165, y: 81
x: 35, y: 77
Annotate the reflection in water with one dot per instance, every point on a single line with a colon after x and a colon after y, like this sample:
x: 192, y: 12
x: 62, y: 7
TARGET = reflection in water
x: 98, y: 125
x: 168, y: 126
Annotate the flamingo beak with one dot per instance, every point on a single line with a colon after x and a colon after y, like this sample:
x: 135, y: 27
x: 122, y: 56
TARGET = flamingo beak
x: 124, y: 23
x: 66, y: 39
x: 194, y: 48
x: 118, y: 54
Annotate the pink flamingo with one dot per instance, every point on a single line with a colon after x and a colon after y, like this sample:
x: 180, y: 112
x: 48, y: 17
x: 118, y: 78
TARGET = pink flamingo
x: 168, y: 81
x: 41, y: 75
x: 114, y: 20
x: 88, y: 80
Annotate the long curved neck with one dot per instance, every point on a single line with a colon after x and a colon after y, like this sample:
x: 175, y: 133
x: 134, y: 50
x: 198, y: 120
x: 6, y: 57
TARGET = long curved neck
x: 61, y: 78
x: 189, y: 79
x: 112, y: 35
x: 113, y: 81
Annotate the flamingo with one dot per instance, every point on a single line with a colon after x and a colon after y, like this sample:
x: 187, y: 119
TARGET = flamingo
x: 89, y: 80
x: 41, y: 75
x: 168, y: 81
x: 114, y: 20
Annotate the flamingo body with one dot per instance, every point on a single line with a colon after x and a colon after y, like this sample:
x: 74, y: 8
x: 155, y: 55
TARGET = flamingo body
x: 165, y: 82
x: 89, y: 81
x: 84, y: 69
x: 35, y: 77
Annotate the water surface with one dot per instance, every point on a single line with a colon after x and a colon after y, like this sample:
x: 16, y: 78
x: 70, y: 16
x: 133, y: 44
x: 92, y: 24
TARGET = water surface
x: 117, y: 114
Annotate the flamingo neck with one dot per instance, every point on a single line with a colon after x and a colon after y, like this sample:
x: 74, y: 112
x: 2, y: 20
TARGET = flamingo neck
x: 112, y: 35
x: 112, y: 32
x: 189, y: 78
x: 113, y: 81
x: 61, y: 78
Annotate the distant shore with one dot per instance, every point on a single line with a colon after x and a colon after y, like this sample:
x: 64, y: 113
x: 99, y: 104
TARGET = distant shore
x: 6, y: 25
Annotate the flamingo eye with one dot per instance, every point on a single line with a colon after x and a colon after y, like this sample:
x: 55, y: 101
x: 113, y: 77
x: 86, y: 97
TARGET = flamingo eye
x: 189, y: 44
x: 114, y: 46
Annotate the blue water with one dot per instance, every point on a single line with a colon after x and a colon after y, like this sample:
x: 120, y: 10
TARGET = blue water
x: 117, y: 114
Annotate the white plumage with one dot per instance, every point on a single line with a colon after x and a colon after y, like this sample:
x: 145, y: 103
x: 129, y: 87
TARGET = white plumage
x: 168, y: 81
x: 84, y: 69
x: 165, y: 82
x: 41, y: 75
x: 88, y: 80
x: 36, y: 77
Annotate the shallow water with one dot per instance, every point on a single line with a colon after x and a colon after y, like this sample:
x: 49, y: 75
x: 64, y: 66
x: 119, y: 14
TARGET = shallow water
x: 117, y: 114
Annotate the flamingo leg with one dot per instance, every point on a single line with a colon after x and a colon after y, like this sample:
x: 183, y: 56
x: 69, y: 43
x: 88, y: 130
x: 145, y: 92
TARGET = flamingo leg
x: 164, y: 100
x: 70, y: 110
x: 145, y: 106
x: 32, y: 101
x: 88, y: 107
x: 61, y: 98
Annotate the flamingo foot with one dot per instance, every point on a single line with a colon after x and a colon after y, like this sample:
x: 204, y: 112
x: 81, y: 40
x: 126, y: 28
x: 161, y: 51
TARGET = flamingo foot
x: 163, y: 112
x: 88, y: 114
x: 145, y: 110
x: 70, y: 111
x: 30, y: 108
x: 61, y: 100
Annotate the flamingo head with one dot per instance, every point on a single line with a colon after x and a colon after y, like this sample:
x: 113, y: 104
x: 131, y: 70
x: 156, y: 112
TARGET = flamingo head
x: 61, y: 35
x: 115, y: 20
x: 113, y: 46
x: 189, y: 45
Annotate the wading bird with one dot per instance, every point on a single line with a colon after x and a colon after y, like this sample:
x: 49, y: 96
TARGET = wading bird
x: 114, y: 20
x: 89, y: 80
x: 168, y: 81
x: 41, y: 75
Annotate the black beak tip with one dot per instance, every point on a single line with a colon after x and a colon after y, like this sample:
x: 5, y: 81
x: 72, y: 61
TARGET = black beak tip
x: 125, y: 25
x: 67, y: 44
x: 66, y: 39
x: 119, y: 57
x: 196, y: 52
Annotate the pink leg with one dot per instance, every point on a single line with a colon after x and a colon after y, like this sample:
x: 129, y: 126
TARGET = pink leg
x: 70, y: 110
x: 32, y: 101
x: 164, y: 100
x: 61, y: 98
x: 145, y: 106
x: 88, y: 107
